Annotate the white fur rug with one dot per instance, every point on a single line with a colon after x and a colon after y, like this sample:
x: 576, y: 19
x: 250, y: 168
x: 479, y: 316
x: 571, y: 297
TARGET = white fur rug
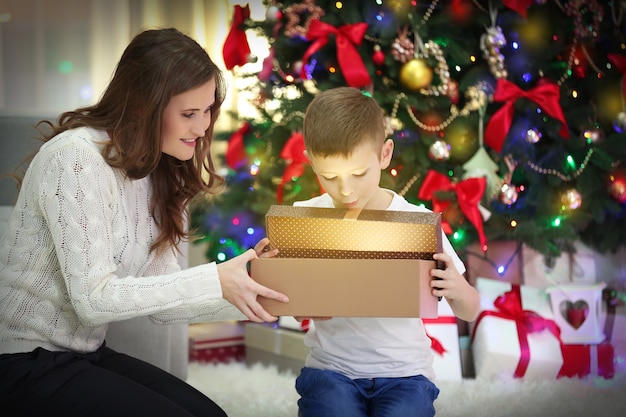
x: 262, y: 391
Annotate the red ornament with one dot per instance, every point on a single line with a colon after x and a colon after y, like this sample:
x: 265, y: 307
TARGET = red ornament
x: 378, y: 58
x: 617, y: 187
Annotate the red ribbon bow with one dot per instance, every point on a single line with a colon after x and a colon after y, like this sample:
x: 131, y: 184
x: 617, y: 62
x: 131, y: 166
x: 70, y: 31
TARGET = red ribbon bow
x: 236, y: 151
x: 519, y: 6
x: 236, y: 48
x: 509, y: 306
x: 346, y: 37
x: 293, y: 153
x: 468, y: 193
x: 546, y: 95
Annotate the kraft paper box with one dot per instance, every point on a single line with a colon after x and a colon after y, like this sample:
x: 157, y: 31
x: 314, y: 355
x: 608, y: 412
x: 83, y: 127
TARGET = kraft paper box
x: 496, y: 342
x: 350, y: 263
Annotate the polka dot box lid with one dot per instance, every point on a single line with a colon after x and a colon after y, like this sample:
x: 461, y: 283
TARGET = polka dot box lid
x: 313, y: 232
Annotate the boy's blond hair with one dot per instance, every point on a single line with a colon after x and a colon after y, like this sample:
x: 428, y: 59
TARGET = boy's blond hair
x: 339, y: 119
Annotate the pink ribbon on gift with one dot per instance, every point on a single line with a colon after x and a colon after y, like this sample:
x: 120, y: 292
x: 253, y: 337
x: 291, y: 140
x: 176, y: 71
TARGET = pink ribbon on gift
x: 435, y: 344
x: 509, y: 306
x: 346, y: 38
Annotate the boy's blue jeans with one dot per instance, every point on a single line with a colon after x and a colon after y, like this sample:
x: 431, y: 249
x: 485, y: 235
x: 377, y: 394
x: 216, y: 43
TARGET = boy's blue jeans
x: 329, y: 394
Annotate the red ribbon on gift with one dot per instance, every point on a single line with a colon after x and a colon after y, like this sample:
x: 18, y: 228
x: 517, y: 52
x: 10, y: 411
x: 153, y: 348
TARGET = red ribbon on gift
x: 509, y: 306
x: 236, y: 151
x: 236, y: 48
x: 435, y: 344
x: 293, y: 153
x: 349, y: 59
x: 545, y: 94
x: 519, y: 6
x: 468, y: 192
x: 620, y: 63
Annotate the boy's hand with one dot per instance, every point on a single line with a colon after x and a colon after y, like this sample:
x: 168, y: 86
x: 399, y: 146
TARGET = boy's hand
x: 449, y: 283
x: 263, y: 250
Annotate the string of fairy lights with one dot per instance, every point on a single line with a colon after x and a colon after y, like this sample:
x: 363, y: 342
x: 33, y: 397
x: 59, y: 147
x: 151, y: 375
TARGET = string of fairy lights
x: 409, y: 47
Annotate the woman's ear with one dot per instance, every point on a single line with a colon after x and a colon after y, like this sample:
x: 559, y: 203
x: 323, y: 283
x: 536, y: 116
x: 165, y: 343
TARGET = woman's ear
x: 386, y: 153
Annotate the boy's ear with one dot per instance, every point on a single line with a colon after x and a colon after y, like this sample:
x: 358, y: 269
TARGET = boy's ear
x: 386, y: 153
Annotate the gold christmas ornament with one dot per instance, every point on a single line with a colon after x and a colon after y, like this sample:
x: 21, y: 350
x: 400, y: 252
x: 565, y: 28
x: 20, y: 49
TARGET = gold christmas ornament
x: 416, y: 74
x: 463, y: 138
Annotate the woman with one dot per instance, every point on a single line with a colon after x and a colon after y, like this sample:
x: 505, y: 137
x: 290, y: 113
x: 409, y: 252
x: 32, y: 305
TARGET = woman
x: 93, y: 239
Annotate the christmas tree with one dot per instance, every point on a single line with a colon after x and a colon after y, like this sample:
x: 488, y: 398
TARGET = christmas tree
x: 509, y: 116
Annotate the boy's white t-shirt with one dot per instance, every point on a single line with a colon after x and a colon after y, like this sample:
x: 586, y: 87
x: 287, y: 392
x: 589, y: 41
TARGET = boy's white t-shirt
x: 373, y: 347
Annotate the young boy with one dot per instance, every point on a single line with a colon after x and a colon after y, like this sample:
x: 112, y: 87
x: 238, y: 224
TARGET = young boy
x: 368, y: 366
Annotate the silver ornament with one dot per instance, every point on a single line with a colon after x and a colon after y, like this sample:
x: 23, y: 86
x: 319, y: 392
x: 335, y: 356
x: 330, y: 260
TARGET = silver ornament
x: 439, y: 151
x: 508, y: 194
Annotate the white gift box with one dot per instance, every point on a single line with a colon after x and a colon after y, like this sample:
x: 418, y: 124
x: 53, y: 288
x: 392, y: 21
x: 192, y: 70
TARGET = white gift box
x: 445, y: 331
x: 496, y: 340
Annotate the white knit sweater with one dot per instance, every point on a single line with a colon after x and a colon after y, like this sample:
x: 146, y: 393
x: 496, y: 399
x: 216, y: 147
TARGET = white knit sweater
x: 75, y: 255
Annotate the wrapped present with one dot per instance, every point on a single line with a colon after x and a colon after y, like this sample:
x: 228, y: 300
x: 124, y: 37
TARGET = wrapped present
x: 271, y: 345
x: 514, y: 333
x: 218, y: 342
x: 444, y: 334
x: 350, y: 263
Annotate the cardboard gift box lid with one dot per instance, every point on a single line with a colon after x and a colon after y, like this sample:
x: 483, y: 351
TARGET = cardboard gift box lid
x: 316, y: 232
x: 350, y: 263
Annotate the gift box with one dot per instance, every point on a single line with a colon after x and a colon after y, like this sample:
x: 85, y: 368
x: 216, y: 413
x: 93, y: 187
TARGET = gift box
x: 218, y: 342
x: 444, y: 334
x: 271, y: 345
x: 515, y: 334
x: 351, y: 263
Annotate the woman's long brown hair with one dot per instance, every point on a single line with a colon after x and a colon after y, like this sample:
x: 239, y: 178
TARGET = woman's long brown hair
x: 157, y: 65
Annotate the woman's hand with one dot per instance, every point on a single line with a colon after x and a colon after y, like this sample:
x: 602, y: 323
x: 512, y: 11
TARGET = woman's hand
x: 241, y: 290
